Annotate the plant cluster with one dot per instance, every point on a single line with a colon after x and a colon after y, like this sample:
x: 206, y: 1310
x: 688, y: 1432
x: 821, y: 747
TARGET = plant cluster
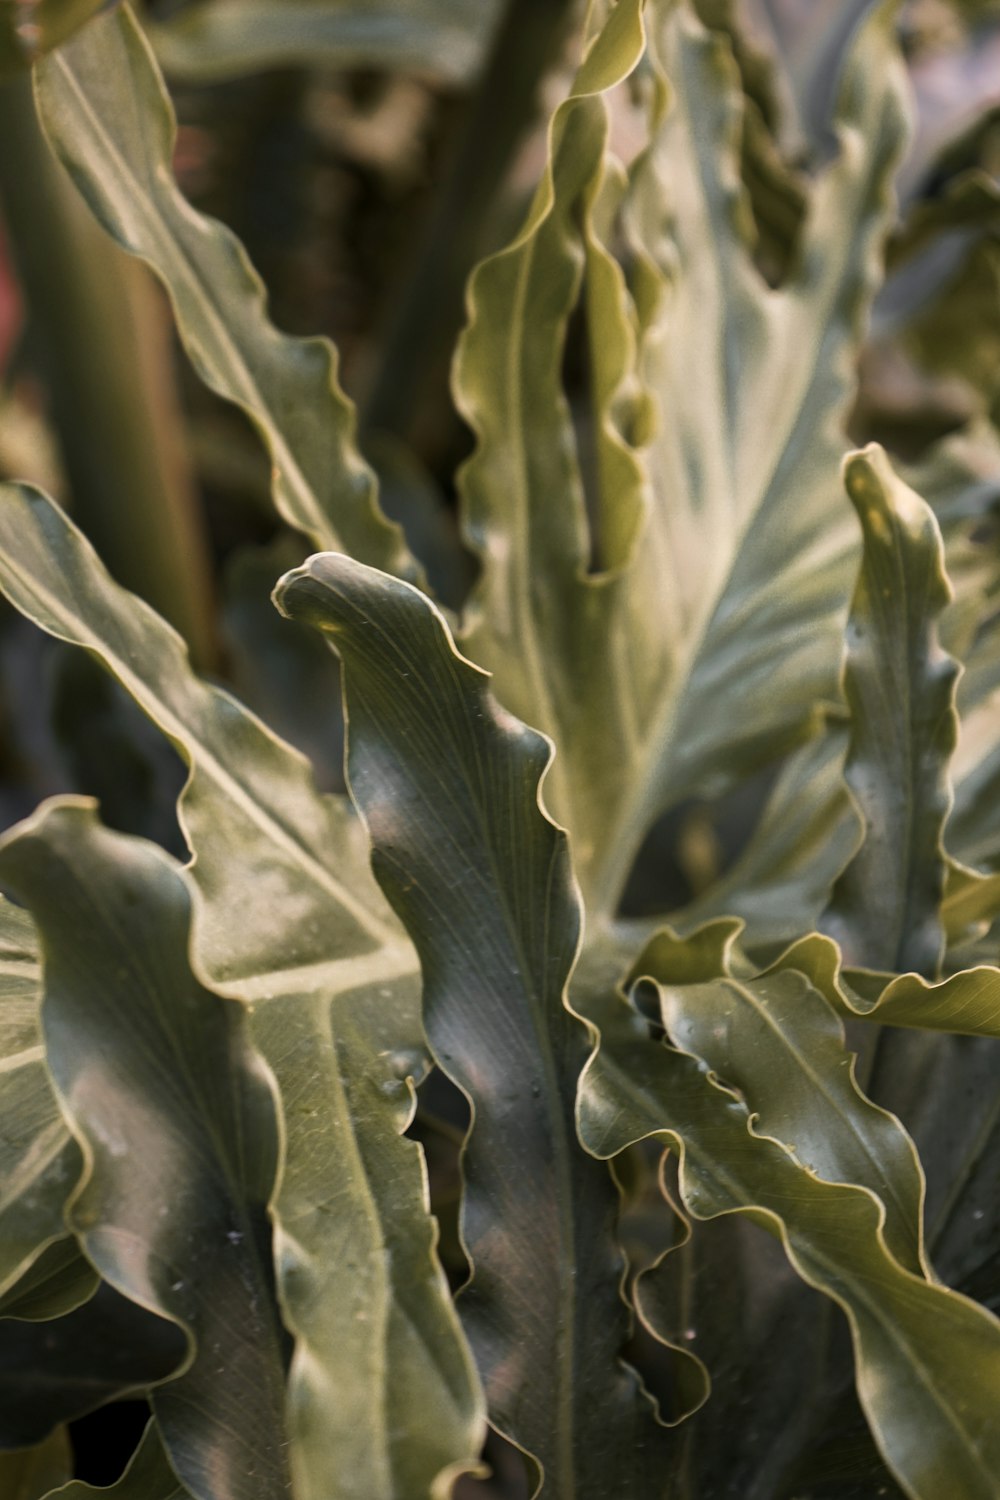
x: 602, y: 1077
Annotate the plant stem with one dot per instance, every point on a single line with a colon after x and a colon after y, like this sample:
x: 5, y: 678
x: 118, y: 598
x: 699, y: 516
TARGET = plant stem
x: 429, y: 312
x: 104, y: 345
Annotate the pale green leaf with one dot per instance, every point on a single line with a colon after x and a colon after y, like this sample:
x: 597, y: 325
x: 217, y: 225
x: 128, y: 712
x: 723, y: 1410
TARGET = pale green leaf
x: 310, y: 928
x: 885, y: 910
x: 216, y: 39
x: 731, y: 555
x: 108, y: 116
x: 448, y: 784
x: 39, y: 1161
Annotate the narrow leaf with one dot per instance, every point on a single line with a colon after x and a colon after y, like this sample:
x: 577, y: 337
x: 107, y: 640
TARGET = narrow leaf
x: 383, y: 1400
x: 886, y: 907
x: 449, y: 787
x: 176, y: 1118
x: 108, y: 116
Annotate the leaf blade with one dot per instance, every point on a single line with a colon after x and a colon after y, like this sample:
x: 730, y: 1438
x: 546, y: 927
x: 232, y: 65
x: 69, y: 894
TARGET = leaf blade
x: 448, y: 784
x: 108, y: 117
x: 138, y: 1049
x: 885, y: 909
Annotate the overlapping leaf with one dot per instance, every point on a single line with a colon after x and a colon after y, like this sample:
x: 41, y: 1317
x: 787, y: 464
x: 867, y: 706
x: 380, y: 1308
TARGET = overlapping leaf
x: 966, y: 1003
x: 308, y: 932
x: 449, y: 787
x: 729, y: 567
x: 809, y: 829
x: 108, y: 116
x: 176, y: 1120
x: 751, y: 1030
x: 927, y: 1360
x: 57, y: 1281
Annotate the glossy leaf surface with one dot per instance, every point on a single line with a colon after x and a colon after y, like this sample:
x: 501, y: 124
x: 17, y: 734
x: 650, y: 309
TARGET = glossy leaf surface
x: 148, y: 1477
x: 725, y: 554
x: 449, y: 787
x: 753, y: 1031
x: 900, y: 688
x: 176, y: 1119
x: 251, y: 800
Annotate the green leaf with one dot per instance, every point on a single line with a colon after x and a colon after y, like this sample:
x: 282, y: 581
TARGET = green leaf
x: 39, y: 1161
x: 927, y: 1360
x: 885, y: 910
x: 176, y: 1119
x: 309, y: 934
x: 27, y: 32
x: 108, y: 117
x: 967, y: 1003
x: 731, y: 552
x: 148, y: 1477
x: 216, y: 39
x: 753, y: 1031
x: 448, y: 784
x: 729, y: 1296
x: 273, y: 815
x: 31, y: 1473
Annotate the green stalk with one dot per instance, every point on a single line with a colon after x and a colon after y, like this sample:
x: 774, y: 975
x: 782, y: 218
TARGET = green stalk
x: 428, y: 314
x: 104, y: 344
